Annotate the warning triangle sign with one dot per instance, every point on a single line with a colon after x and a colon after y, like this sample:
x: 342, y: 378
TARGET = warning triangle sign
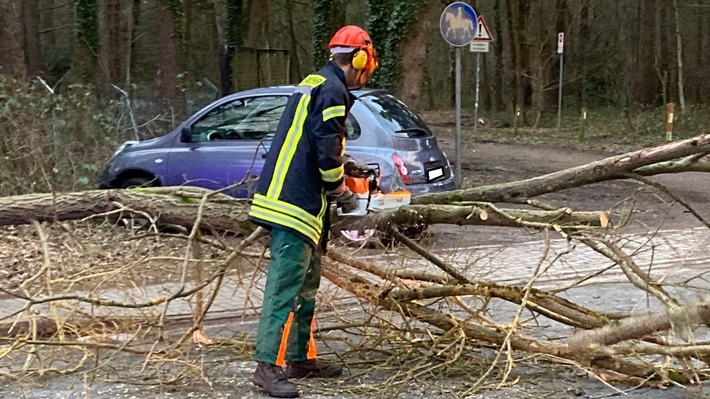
x: 483, y: 34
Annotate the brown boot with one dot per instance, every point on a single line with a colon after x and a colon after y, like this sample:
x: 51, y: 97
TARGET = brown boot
x: 312, y: 368
x: 272, y: 379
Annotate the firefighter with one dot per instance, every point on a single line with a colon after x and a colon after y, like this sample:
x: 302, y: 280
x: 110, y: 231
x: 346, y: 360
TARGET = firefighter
x: 303, y: 173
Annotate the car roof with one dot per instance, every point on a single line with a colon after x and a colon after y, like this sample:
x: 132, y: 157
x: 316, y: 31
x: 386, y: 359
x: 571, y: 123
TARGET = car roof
x: 289, y: 89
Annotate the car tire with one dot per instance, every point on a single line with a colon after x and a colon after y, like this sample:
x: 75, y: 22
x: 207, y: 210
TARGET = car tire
x: 136, y: 182
x: 129, y: 220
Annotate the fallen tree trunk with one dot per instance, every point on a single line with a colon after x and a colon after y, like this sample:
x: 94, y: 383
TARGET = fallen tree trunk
x: 172, y: 205
x: 178, y: 206
x: 637, y: 327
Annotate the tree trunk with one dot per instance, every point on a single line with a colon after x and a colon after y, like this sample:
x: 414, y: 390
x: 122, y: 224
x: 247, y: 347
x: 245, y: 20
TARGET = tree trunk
x: 518, y: 29
x: 321, y: 14
x: 12, y: 61
x: 230, y: 37
x: 582, y: 51
x: 167, y: 53
x: 179, y: 206
x: 30, y: 37
x: 498, y: 65
x: 173, y: 205
x: 295, y: 74
x: 539, y: 58
x: 85, y: 61
x: 646, y: 87
x: 679, y: 58
x: 111, y: 58
x: 258, y: 24
x: 134, y: 23
x: 514, y: 57
x: 415, y: 43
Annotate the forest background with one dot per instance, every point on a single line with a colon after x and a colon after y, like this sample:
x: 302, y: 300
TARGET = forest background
x: 68, y: 67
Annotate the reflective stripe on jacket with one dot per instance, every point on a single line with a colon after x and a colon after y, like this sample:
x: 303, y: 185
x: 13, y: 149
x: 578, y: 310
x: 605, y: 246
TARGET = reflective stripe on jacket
x: 305, y: 160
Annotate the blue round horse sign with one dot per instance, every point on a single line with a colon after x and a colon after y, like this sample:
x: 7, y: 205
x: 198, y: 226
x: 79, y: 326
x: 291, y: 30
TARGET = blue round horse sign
x: 458, y: 24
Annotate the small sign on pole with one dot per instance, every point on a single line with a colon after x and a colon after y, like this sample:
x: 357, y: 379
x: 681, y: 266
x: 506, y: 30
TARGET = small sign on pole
x: 560, y: 43
x: 481, y: 41
x: 479, y: 47
x: 479, y: 44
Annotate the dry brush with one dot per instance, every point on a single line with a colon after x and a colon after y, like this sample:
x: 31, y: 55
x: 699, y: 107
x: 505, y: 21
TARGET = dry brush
x: 435, y: 309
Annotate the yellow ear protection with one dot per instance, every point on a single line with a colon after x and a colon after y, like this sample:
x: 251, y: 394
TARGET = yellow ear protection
x: 361, y: 58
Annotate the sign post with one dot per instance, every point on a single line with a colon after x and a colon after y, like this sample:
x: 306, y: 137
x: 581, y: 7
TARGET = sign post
x: 561, y: 52
x: 479, y: 44
x: 458, y: 25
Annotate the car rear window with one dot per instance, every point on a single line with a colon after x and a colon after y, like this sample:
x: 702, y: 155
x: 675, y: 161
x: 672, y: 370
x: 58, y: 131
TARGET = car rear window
x: 395, y: 116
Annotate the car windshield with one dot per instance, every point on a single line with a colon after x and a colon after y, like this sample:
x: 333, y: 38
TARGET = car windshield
x: 394, y: 115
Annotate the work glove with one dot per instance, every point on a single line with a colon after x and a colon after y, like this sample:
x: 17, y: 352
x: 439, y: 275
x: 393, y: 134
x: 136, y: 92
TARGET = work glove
x: 354, y: 168
x: 346, y: 200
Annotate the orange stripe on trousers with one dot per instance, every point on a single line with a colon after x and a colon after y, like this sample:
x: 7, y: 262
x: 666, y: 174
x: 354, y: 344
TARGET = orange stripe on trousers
x: 312, y: 342
x: 281, y: 358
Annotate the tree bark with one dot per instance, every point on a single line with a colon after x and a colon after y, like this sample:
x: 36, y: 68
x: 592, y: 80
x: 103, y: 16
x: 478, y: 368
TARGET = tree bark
x: 12, y: 61
x: 172, y: 205
x: 85, y: 61
x: 646, y: 88
x: 582, y: 51
x: 639, y: 326
x: 179, y: 206
x: 295, y: 74
x: 111, y: 58
x: 257, y: 24
x: 167, y: 53
x: 415, y: 44
x: 31, y: 39
x: 679, y: 58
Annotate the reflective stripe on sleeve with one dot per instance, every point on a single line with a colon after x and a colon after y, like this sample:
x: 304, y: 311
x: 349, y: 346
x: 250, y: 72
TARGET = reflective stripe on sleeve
x: 332, y: 175
x: 333, y: 112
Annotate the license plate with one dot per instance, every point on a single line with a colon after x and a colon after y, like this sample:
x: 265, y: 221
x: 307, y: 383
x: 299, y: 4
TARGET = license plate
x: 433, y: 174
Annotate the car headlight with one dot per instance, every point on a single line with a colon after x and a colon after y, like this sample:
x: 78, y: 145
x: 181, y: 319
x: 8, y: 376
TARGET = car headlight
x: 123, y: 146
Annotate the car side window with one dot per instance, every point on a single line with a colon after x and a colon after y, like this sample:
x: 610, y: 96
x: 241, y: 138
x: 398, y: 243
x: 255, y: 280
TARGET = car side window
x: 247, y: 119
x: 353, y: 128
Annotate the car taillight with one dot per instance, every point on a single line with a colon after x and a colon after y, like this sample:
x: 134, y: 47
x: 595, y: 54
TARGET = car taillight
x: 401, y: 168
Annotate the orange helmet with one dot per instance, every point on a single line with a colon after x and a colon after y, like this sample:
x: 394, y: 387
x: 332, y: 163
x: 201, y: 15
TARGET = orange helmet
x: 351, y: 38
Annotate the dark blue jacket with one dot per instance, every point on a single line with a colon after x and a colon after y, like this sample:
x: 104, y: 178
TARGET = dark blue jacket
x: 305, y: 160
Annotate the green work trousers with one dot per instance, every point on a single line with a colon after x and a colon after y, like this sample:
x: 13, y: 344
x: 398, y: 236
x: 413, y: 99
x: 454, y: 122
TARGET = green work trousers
x: 292, y: 281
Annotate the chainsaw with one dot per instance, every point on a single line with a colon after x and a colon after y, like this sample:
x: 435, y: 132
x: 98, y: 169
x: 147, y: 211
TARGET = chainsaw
x: 370, y: 196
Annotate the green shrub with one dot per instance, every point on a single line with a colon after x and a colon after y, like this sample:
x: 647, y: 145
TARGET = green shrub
x: 55, y: 142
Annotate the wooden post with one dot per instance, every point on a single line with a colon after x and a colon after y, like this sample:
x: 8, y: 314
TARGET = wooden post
x: 582, y: 123
x: 515, y: 121
x: 670, y: 110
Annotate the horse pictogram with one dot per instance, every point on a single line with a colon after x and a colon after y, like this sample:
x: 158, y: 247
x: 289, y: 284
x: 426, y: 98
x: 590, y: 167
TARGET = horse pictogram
x: 458, y: 24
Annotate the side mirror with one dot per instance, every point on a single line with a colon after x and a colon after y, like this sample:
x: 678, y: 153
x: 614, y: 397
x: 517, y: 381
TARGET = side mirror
x: 186, y: 134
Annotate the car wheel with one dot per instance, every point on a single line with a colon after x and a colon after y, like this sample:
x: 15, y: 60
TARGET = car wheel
x: 130, y: 220
x: 135, y: 182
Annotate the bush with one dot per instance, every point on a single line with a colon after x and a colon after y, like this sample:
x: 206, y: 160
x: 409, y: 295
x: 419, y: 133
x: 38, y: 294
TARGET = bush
x: 61, y: 141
